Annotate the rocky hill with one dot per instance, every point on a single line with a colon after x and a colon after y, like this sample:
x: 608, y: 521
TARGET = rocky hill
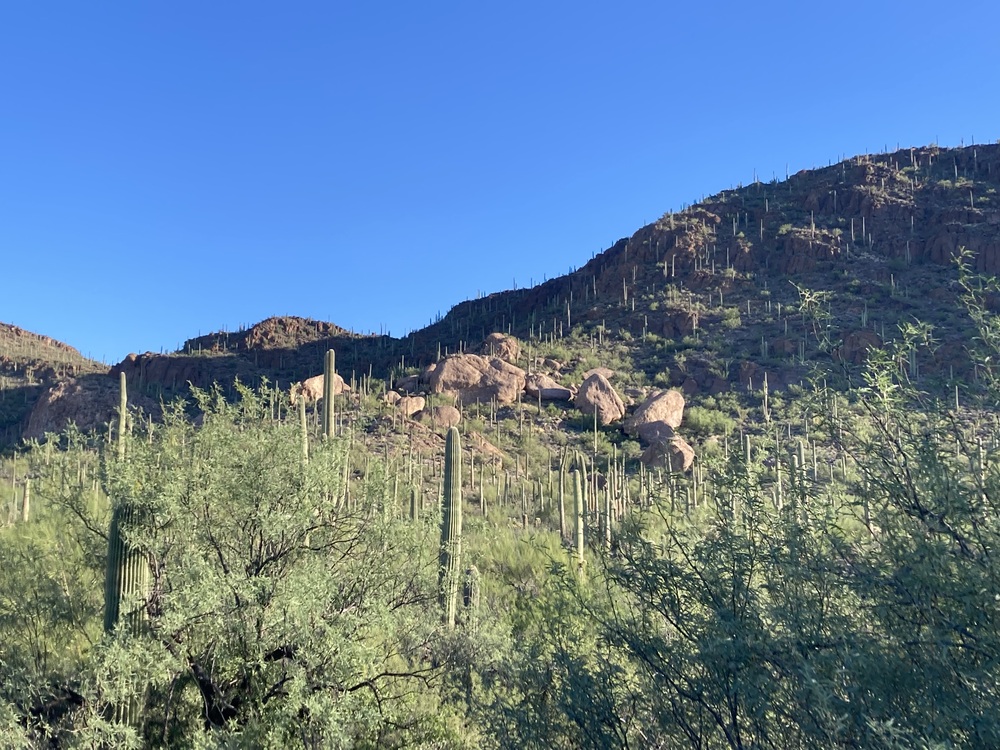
x: 764, y: 280
x: 29, y: 365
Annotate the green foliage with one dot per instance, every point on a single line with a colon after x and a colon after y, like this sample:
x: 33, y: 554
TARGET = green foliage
x: 702, y: 422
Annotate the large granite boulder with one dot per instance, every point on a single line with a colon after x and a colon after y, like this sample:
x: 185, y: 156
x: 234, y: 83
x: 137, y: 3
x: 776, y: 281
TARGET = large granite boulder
x: 441, y: 417
x: 410, y: 405
x: 472, y: 378
x: 311, y: 389
x: 664, y: 409
x: 596, y: 395
x: 503, y: 346
x: 670, y: 453
x: 544, y: 387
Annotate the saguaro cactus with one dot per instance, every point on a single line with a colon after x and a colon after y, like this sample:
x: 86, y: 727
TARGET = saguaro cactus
x: 127, y: 574
x: 449, y: 574
x: 471, y: 591
x: 329, y: 372
x: 578, y: 510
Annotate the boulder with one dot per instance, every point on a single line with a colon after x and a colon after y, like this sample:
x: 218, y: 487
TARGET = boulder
x: 503, y: 346
x: 673, y: 454
x: 311, y: 389
x: 597, y: 396
x: 543, y: 387
x: 473, y: 378
x: 665, y: 408
x: 409, y: 384
x: 440, y: 417
x: 391, y: 397
x: 410, y: 405
x: 553, y: 364
x: 606, y: 372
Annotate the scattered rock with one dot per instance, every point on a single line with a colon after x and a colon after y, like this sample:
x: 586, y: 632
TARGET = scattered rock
x: 502, y: 346
x: 597, y: 395
x: 472, y: 378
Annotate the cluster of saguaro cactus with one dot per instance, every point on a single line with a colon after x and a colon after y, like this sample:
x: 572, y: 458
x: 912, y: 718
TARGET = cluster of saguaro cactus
x: 451, y: 528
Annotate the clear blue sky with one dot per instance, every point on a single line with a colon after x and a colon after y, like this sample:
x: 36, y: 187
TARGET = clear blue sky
x: 170, y: 168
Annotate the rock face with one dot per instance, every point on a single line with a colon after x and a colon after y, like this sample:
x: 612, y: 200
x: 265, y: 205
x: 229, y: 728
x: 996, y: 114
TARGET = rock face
x: 597, y: 395
x: 88, y: 402
x: 663, y: 409
x: 544, y: 387
x: 410, y: 405
x: 312, y: 388
x: 471, y: 378
x: 503, y: 346
x: 856, y: 345
x: 671, y: 453
x: 440, y: 417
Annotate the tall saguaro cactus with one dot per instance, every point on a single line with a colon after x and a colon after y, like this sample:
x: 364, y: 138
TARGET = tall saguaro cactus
x: 127, y: 573
x: 329, y: 372
x: 122, y: 414
x: 578, y: 510
x: 449, y: 575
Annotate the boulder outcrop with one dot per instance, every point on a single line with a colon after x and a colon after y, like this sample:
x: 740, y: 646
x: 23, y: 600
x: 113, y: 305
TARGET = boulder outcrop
x: 472, y: 378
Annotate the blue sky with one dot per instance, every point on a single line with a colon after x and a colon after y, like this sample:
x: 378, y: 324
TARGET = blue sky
x: 174, y: 168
